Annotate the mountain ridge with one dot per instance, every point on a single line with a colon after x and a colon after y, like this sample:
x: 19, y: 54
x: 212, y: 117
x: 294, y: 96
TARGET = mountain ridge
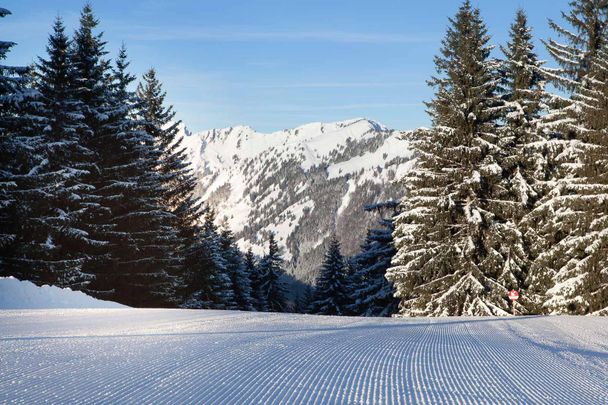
x: 303, y: 184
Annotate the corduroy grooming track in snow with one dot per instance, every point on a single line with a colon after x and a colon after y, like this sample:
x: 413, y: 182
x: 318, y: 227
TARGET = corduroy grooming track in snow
x: 229, y: 357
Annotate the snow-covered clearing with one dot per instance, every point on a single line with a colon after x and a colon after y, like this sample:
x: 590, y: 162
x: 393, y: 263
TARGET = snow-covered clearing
x: 219, y: 357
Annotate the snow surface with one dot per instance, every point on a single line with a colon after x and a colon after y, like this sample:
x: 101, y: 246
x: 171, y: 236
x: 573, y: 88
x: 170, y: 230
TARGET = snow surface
x: 224, y: 357
x: 15, y: 294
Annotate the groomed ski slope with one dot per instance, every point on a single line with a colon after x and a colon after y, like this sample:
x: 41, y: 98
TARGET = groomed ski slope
x: 223, y: 357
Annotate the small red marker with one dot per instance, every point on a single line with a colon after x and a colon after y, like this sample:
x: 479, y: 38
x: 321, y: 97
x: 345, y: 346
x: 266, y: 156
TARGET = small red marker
x: 513, y: 296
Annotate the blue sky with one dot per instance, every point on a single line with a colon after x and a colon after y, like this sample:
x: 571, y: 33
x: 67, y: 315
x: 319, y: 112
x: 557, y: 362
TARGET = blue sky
x: 275, y: 64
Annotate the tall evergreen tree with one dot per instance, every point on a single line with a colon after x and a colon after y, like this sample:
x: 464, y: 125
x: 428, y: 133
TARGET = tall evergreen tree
x: 53, y: 236
x: 255, y: 276
x: 132, y: 259
x: 18, y: 156
x: 208, y: 283
x: 141, y: 234
x: 272, y: 286
x: 567, y: 127
x: 372, y: 294
x: 571, y: 275
x: 159, y: 121
x: 237, y: 270
x: 524, y: 160
x: 525, y: 95
x: 588, y: 21
x: 91, y: 79
x: 453, y: 237
x: 331, y: 290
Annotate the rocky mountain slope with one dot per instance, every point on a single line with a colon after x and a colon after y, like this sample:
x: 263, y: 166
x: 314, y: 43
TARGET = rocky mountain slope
x: 303, y: 184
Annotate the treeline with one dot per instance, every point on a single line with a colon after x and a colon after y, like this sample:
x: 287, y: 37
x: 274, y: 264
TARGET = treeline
x: 510, y: 189
x: 96, y: 193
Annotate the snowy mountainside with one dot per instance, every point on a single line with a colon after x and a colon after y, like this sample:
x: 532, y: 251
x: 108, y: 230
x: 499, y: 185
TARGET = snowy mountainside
x: 15, y: 294
x: 303, y: 184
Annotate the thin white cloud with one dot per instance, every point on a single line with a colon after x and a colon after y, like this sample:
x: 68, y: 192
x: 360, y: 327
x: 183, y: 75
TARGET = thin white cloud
x: 371, y: 105
x: 147, y: 33
x: 335, y: 107
x: 334, y: 85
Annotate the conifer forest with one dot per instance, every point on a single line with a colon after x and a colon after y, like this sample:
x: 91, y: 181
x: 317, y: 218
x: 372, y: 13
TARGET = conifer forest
x: 507, y: 189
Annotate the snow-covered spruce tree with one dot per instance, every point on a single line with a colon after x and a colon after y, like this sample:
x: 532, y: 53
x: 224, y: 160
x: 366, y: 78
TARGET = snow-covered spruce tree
x: 565, y: 128
x: 178, y: 180
x: 586, y: 34
x: 255, y: 277
x: 19, y: 137
x: 524, y: 94
x: 208, y: 283
x: 177, y: 175
x: 91, y: 79
x: 141, y: 233
x: 133, y: 257
x: 453, y: 237
x: 372, y: 294
x: 331, y: 287
x: 573, y: 269
x: 272, y: 286
x: 524, y: 153
x: 237, y: 270
x: 53, y: 240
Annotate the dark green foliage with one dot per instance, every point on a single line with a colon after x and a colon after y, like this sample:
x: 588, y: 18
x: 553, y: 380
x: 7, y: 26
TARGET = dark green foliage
x: 19, y: 144
x: 372, y: 294
x: 53, y: 238
x: 255, y: 276
x: 173, y: 170
x: 159, y: 121
x: 141, y: 234
x: 238, y: 271
x: 332, y: 285
x: 303, y: 300
x: 131, y: 238
x: 272, y: 285
x: 208, y: 283
x: 91, y: 76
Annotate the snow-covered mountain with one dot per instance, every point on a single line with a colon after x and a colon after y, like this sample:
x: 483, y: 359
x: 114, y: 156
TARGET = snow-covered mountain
x: 303, y: 184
